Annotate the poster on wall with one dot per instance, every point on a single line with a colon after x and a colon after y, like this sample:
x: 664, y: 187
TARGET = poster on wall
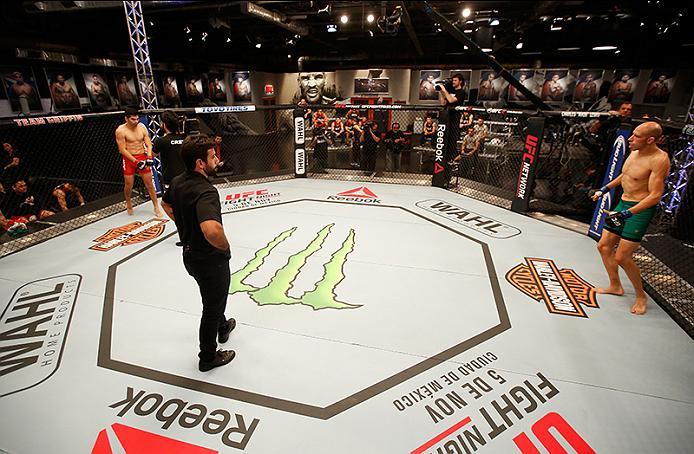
x: 623, y: 85
x: 588, y: 85
x: 466, y: 75
x: 370, y: 85
x: 491, y: 86
x: 99, y: 94
x: 217, y: 88
x: 169, y: 85
x: 20, y: 86
x: 61, y: 83
x: 555, y: 85
x: 427, y: 86
x: 125, y: 89
x: 660, y: 86
x: 529, y: 79
x: 316, y: 87
x: 194, y: 94
x: 242, y: 86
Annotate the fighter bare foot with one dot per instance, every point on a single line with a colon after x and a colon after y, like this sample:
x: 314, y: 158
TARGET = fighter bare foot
x: 611, y: 290
x: 130, y: 211
x: 158, y: 213
x: 639, y: 307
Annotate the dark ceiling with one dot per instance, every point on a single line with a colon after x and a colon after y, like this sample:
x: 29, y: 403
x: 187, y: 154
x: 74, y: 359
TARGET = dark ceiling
x: 655, y: 33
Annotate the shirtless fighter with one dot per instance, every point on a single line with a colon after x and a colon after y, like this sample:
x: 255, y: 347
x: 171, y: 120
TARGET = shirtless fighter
x: 642, y: 180
x: 136, y: 147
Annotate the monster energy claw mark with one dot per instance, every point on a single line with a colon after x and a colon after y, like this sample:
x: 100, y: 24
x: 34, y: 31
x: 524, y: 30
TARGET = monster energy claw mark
x: 277, y: 290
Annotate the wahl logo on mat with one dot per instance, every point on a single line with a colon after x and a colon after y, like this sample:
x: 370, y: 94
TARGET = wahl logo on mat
x: 249, y: 199
x: 322, y: 296
x: 135, y: 232
x: 122, y: 438
x: 362, y: 194
x: 33, y: 330
x: 463, y: 216
x: 563, y: 291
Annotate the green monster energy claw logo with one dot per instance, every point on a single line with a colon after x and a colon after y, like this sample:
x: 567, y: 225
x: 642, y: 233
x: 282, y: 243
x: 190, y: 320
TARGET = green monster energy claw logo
x: 277, y: 291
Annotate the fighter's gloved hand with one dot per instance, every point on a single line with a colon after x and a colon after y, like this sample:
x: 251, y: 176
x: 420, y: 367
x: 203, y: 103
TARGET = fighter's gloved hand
x: 141, y: 165
x: 149, y: 162
x: 595, y: 194
x: 616, y: 219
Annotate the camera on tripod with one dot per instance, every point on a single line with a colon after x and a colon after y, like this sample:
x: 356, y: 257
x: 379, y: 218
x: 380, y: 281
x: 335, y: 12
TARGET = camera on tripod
x: 448, y: 83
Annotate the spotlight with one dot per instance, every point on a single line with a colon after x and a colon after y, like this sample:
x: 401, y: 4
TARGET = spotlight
x: 332, y: 28
x: 258, y: 45
x: 289, y: 55
x: 344, y: 18
x: 466, y: 12
x: 186, y: 29
x: 228, y: 40
x: 370, y: 18
x: 494, y: 22
x: 519, y: 45
x: 555, y: 28
x: 486, y: 49
x: 203, y: 36
x: 190, y: 39
x: 605, y: 48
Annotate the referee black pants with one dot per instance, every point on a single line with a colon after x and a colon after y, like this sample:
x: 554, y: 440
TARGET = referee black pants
x: 213, y: 278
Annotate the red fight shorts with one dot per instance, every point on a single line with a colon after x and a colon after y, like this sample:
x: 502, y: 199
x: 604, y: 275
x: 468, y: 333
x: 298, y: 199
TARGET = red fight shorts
x: 130, y: 168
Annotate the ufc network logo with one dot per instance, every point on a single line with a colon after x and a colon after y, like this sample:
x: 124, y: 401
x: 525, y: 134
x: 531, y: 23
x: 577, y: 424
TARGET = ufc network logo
x: 531, y: 148
x: 322, y: 296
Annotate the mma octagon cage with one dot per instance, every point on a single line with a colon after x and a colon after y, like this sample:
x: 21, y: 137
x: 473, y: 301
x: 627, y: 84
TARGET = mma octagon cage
x: 537, y: 162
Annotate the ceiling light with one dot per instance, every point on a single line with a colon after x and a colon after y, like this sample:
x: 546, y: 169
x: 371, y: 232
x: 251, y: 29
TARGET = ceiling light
x: 519, y: 45
x: 467, y: 31
x: 344, y: 18
x: 289, y: 55
x: 617, y: 51
x: 258, y: 45
x: 568, y: 48
x: 228, y: 40
x: 486, y: 49
x: 604, y: 47
x: 466, y: 12
x: 555, y: 28
x: 370, y: 18
x: 332, y: 28
x: 190, y: 39
x: 187, y: 29
x: 494, y: 22
x: 371, y: 34
x: 465, y: 47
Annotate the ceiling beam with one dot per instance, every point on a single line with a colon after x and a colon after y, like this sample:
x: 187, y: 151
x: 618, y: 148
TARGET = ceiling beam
x: 410, y: 30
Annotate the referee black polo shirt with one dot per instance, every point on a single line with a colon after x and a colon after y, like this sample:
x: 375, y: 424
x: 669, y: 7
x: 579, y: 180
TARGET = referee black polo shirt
x: 194, y: 200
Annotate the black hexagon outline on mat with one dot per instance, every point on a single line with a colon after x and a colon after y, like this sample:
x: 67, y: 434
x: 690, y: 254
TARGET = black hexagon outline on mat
x: 314, y: 411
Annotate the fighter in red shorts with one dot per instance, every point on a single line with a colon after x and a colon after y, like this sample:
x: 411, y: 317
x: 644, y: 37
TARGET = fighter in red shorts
x: 136, y: 147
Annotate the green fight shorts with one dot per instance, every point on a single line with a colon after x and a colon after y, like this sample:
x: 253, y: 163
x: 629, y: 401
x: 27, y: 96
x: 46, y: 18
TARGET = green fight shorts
x: 634, y: 228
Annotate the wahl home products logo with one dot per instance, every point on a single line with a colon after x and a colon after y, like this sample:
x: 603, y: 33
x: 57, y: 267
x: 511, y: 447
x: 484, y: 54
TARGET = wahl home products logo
x: 563, y: 291
x: 322, y: 296
x: 249, y: 199
x: 33, y: 331
x: 299, y: 150
x: 135, y: 232
x: 362, y: 194
x: 470, y: 219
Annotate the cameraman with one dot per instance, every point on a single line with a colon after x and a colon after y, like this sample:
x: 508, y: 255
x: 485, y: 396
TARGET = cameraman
x: 395, y: 142
x: 168, y: 148
x: 320, y: 144
x: 454, y: 94
x: 369, y: 139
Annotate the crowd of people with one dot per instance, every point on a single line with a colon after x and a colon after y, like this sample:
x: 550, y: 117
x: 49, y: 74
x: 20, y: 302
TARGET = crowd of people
x: 20, y: 203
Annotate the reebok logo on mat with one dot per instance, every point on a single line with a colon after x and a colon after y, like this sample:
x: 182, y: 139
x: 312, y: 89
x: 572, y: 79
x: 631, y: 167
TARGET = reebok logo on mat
x: 563, y: 291
x: 135, y: 232
x: 362, y: 194
x: 133, y: 441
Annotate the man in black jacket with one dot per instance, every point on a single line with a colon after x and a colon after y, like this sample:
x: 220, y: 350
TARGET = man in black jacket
x: 192, y: 202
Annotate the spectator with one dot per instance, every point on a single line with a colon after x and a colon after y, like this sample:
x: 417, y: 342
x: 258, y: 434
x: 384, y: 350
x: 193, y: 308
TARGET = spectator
x: 428, y: 130
x: 369, y: 137
x: 481, y: 132
x: 66, y: 196
x: 21, y: 202
x: 468, y: 157
x: 395, y: 143
x: 337, y: 130
x: 11, y: 164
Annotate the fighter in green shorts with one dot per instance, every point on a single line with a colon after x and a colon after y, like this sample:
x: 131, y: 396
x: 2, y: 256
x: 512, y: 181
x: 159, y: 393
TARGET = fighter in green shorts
x: 629, y: 226
x: 642, y: 181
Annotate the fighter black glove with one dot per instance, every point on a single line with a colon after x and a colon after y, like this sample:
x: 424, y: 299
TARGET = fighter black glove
x: 617, y: 218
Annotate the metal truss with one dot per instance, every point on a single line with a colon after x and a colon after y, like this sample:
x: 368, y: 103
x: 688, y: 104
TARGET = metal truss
x: 676, y: 183
x: 143, y: 64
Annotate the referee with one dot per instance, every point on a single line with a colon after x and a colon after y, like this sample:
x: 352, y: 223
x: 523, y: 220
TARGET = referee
x: 193, y: 204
